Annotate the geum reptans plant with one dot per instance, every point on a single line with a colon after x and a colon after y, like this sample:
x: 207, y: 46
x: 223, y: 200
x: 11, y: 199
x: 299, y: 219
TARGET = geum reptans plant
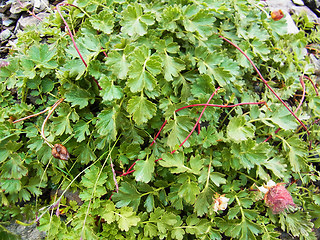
x: 171, y: 113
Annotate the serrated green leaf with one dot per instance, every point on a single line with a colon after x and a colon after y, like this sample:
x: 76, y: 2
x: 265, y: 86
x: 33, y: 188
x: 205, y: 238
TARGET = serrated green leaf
x: 239, y: 130
x: 106, y: 125
x: 296, y: 153
x: 141, y: 109
x: 178, y: 130
x: 127, y: 196
x: 94, y: 185
x: 149, y: 203
x: 118, y: 62
x: 127, y: 218
x: 249, y: 153
x: 107, y: 212
x: 42, y: 56
x: 196, y: 20
x: 85, y: 153
x: 103, y: 21
x: 81, y: 129
x: 169, y: 18
x: 189, y: 190
x: 11, y: 186
x: 78, y: 96
x: 203, y: 202
x: 175, y: 162
x: 61, y: 125
x: 109, y: 91
x: 298, y: 223
x: 75, y: 68
x: 277, y: 166
x: 144, y: 169
x: 282, y: 117
x: 171, y: 67
x: 134, y: 21
x: 143, y: 70
x: 217, y: 178
x: 14, y: 168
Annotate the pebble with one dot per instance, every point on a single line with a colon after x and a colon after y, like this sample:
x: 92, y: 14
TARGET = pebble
x: 30, y: 20
x: 6, y: 34
x: 298, y: 2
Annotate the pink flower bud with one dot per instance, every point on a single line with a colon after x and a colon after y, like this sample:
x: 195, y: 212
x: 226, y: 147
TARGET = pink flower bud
x: 278, y: 198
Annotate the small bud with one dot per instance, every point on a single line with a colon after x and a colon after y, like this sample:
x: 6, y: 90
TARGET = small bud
x: 277, y: 15
x: 277, y: 197
x: 220, y: 203
x: 60, y: 151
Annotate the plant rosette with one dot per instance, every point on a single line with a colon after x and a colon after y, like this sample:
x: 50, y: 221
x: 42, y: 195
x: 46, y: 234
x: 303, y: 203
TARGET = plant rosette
x: 160, y: 117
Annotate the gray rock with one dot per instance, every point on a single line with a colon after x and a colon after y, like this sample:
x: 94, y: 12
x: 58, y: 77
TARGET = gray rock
x: 6, y: 34
x: 316, y: 63
x: 40, y: 5
x: 316, y: 3
x: 305, y: 10
x: 17, y: 8
x: 314, y: 6
x: 7, y: 21
x: 26, y: 232
x: 298, y: 2
x: 5, y: 7
x: 30, y: 20
x: 14, y: 16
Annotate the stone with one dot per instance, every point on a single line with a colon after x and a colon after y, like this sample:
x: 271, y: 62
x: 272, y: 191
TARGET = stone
x: 5, y: 7
x: 6, y: 34
x: 26, y: 232
x: 298, y: 2
x: 7, y: 21
x: 314, y: 6
x: 305, y: 10
x: 30, y: 20
x: 316, y: 64
x: 40, y: 5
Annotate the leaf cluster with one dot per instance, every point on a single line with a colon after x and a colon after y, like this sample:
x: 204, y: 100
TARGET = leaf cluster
x: 151, y: 58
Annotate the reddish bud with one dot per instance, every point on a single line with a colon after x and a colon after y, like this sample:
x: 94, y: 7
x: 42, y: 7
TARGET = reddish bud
x: 3, y: 64
x: 60, y: 151
x: 277, y: 15
x: 278, y: 198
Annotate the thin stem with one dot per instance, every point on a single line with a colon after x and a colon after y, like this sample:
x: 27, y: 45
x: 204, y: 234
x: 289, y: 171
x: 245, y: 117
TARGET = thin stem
x: 314, y: 86
x: 31, y: 13
x: 114, y: 176
x: 70, y: 33
x: 221, y: 106
x: 194, y: 127
x: 299, y: 106
x: 46, y: 119
x: 72, y: 38
x: 30, y: 116
x: 95, y: 186
x: 154, y: 140
x: 265, y: 82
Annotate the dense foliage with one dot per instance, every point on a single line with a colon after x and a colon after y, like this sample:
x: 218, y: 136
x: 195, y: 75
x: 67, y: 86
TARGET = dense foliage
x: 151, y: 58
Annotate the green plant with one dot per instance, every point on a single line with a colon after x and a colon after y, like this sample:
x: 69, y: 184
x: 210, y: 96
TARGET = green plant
x: 126, y: 71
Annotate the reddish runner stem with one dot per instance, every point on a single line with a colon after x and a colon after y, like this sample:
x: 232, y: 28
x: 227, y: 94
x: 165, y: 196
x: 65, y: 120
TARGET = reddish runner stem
x: 299, y: 106
x: 265, y: 82
x: 314, y: 86
x: 72, y: 38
